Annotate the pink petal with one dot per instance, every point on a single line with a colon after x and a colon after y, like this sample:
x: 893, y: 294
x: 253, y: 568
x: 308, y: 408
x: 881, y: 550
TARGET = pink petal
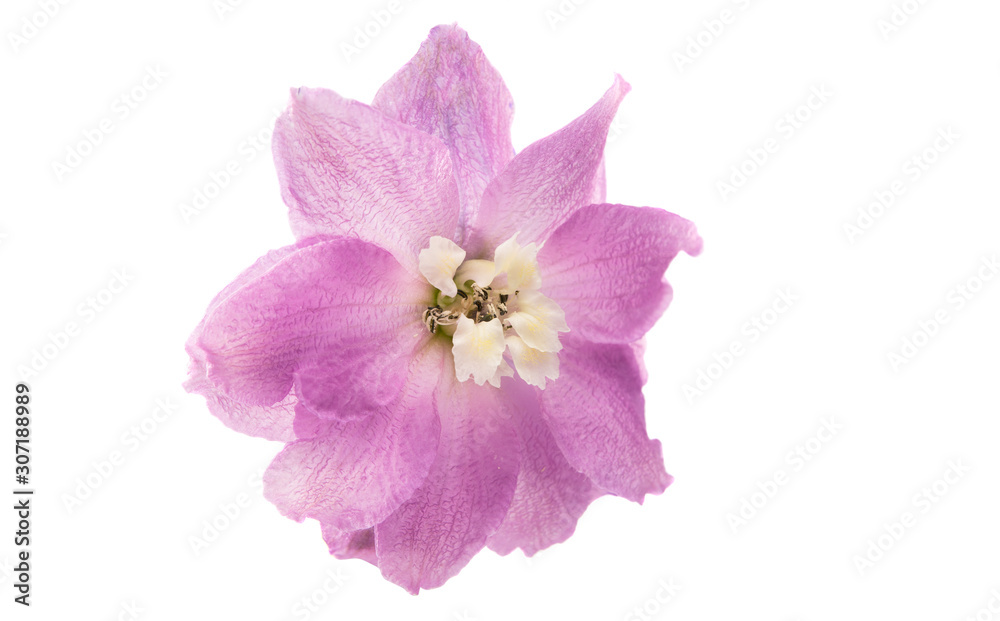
x: 310, y: 305
x: 450, y: 90
x: 351, y: 544
x: 550, y: 496
x: 345, y: 169
x: 599, y: 192
x: 595, y: 412
x: 548, y: 181
x: 466, y: 494
x: 272, y: 422
x: 604, y: 267
x: 639, y: 348
x: 355, y: 473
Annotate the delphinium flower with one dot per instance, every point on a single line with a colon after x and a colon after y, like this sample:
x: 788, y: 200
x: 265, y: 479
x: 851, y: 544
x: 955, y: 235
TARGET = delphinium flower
x: 452, y: 348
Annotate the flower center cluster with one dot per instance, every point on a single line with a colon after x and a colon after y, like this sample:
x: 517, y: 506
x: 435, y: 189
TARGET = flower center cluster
x: 494, y: 312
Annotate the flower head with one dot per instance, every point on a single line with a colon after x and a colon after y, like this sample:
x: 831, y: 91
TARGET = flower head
x: 452, y: 350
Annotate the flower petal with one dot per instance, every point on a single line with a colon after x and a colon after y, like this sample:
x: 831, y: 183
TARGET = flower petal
x: 273, y: 422
x: 504, y: 370
x: 520, y: 263
x: 595, y: 412
x: 312, y: 304
x: 533, y: 366
x: 451, y: 91
x: 353, y: 380
x: 604, y: 267
x: 600, y: 190
x: 351, y: 544
x: 538, y: 320
x: 465, y: 496
x: 548, y: 181
x: 477, y: 348
x: 347, y: 170
x: 438, y: 264
x: 550, y: 496
x: 355, y: 473
x: 478, y: 271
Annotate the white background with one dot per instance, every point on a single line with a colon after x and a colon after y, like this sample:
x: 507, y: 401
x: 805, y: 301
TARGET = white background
x: 680, y: 132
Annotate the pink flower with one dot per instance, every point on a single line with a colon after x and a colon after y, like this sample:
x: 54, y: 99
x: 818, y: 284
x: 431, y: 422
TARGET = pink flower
x: 452, y: 350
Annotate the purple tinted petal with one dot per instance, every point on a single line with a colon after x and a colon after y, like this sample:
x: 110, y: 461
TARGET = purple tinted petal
x: 548, y: 181
x: 357, y: 472
x: 639, y: 348
x: 466, y: 494
x: 311, y: 304
x: 373, y: 371
x: 451, y: 91
x: 273, y: 422
x: 604, y: 267
x: 599, y: 192
x: 550, y: 496
x: 346, y: 169
x: 351, y: 544
x: 595, y: 412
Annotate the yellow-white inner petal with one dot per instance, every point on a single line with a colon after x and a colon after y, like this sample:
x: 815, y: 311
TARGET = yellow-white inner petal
x: 439, y: 262
x: 477, y: 348
x: 520, y: 263
x: 532, y: 365
x: 537, y: 320
x: 504, y: 370
x: 479, y: 271
x: 534, y: 332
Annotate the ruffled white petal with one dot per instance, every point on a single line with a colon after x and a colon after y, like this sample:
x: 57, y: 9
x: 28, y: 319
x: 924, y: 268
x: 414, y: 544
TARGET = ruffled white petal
x: 520, y: 264
x: 538, y: 320
x: 479, y: 271
x: 439, y: 262
x: 532, y: 365
x: 534, y: 332
x: 504, y: 370
x: 545, y: 309
x: 478, y: 349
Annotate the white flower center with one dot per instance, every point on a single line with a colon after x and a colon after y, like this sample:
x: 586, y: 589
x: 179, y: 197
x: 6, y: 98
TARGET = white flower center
x: 493, y: 310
